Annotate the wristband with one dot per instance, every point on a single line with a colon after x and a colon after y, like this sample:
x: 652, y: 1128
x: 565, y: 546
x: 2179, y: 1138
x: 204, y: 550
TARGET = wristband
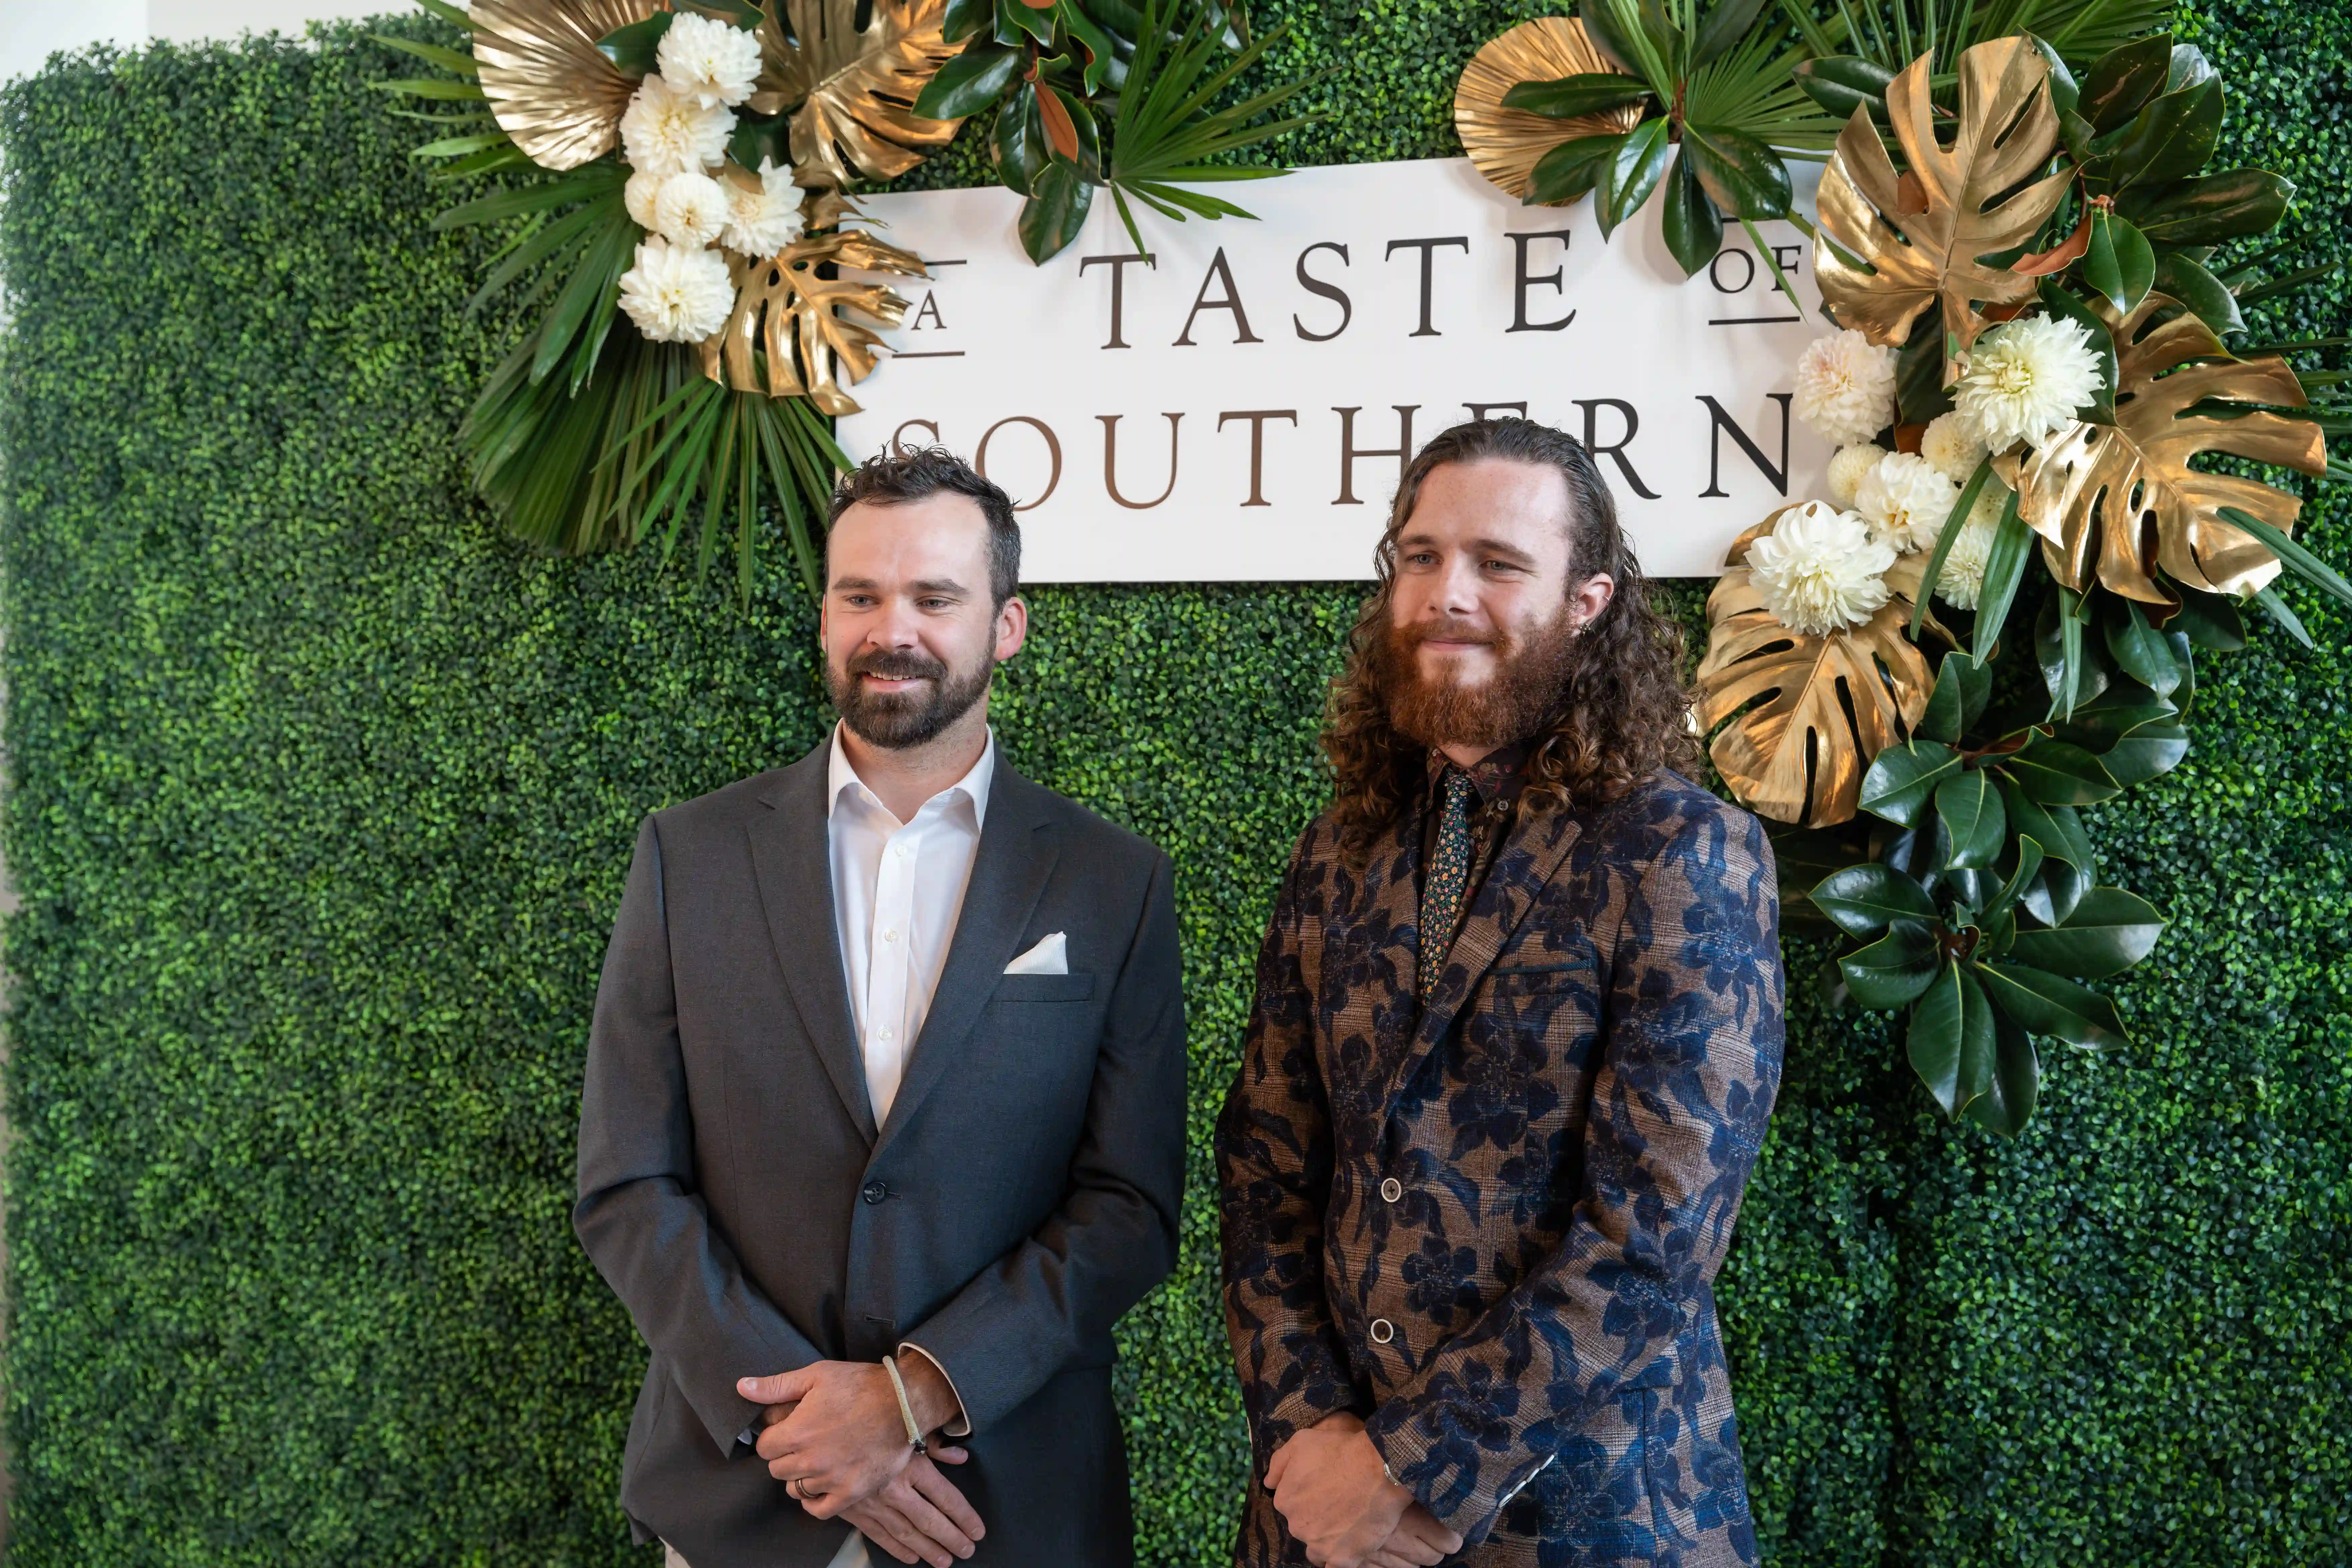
x: 914, y: 1432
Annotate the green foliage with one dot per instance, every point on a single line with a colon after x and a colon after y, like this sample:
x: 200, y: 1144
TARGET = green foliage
x: 319, y: 794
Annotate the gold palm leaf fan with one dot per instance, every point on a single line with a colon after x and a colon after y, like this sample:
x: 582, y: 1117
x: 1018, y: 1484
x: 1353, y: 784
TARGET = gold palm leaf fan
x: 852, y: 90
x: 548, y: 85
x: 1506, y: 144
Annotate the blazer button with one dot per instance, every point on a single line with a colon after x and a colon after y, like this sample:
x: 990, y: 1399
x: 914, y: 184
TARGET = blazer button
x: 1391, y: 1190
x: 875, y: 1192
x: 1382, y: 1330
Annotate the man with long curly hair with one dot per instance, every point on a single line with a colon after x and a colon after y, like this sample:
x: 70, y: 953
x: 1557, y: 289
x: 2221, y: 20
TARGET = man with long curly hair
x: 1517, y: 1032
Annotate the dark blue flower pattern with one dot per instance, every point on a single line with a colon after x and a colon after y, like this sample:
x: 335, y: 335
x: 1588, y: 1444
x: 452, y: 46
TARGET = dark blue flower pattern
x: 1527, y: 1180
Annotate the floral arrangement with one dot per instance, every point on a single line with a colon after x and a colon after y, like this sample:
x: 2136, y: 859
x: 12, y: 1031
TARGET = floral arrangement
x: 695, y: 328
x: 2037, y: 286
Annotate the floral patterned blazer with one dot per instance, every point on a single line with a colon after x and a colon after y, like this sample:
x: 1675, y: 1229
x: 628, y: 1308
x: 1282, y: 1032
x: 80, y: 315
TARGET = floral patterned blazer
x: 1490, y: 1225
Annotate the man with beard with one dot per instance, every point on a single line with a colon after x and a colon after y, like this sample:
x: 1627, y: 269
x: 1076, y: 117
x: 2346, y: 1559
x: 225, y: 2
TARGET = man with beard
x: 884, y: 1119
x: 1517, y: 1031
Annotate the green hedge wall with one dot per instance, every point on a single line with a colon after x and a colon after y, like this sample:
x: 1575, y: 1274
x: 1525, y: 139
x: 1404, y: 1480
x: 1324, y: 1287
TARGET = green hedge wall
x: 319, y: 795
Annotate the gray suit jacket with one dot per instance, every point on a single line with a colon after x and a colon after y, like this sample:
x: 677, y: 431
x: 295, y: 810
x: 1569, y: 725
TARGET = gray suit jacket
x: 738, y: 1198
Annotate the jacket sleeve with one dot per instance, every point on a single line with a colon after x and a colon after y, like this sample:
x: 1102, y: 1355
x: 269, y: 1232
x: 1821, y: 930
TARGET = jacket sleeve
x: 1113, y: 1238
x: 1689, y: 1060
x: 1273, y: 1180
x: 640, y: 1215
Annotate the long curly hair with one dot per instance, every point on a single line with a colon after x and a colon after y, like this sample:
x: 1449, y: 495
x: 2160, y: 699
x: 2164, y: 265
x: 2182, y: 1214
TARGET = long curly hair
x: 1623, y: 713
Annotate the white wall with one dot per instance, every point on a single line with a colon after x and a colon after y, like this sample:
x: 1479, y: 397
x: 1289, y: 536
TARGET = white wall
x: 31, y: 30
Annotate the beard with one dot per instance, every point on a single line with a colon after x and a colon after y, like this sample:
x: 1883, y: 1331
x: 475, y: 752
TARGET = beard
x: 896, y: 719
x: 1526, y: 694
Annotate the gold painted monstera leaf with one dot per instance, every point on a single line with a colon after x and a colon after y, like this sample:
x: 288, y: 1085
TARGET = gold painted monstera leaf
x: 1920, y: 236
x: 1506, y: 144
x: 2117, y: 503
x: 1822, y: 707
x: 788, y: 336
x: 853, y: 90
x: 548, y: 85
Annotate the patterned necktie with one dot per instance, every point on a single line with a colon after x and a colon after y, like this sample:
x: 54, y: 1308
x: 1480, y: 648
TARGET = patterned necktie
x: 1447, y: 878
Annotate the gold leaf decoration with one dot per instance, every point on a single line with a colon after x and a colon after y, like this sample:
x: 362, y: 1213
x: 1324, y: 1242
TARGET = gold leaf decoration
x: 1822, y: 707
x: 2115, y: 503
x: 787, y: 336
x: 855, y: 89
x: 547, y: 85
x: 1504, y: 143
x: 1918, y: 237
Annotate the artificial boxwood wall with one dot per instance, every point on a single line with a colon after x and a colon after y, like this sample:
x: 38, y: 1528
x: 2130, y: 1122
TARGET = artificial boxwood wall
x: 320, y: 797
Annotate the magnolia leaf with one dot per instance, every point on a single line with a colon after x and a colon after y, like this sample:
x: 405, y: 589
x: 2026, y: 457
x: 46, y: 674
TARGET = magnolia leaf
x: 2115, y: 502
x: 2007, y: 1104
x: 1507, y: 144
x: 2050, y: 1004
x: 1902, y: 243
x: 1863, y: 900
x: 1812, y: 711
x: 1951, y: 1039
x: 1894, y: 970
x: 850, y: 89
x: 2108, y: 930
x: 549, y: 86
x: 787, y: 335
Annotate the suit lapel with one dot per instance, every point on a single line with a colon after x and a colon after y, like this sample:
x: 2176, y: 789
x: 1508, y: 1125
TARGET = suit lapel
x: 792, y: 862
x: 1533, y: 850
x: 1016, y: 854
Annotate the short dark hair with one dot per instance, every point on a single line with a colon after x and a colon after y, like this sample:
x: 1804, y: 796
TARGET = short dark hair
x: 896, y: 475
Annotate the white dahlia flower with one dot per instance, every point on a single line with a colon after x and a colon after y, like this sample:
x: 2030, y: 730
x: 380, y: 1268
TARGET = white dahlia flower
x: 677, y: 294
x: 1906, y: 502
x: 716, y: 62
x: 639, y: 196
x: 2025, y: 379
x: 761, y: 222
x: 1847, y: 469
x: 1960, y: 583
x: 667, y: 131
x: 1951, y: 448
x: 690, y: 209
x: 1845, y: 387
x: 1819, y: 569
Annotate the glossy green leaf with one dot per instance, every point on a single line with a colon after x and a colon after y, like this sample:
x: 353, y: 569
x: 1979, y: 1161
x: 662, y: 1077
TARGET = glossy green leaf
x: 1843, y: 83
x: 1693, y: 229
x: 965, y: 18
x: 2181, y: 278
x: 1016, y: 141
x: 968, y: 83
x: 1741, y: 175
x: 1894, y: 970
x: 2065, y: 93
x: 1950, y: 1042
x: 2015, y: 1086
x: 632, y: 49
x: 2028, y: 863
x: 2170, y: 139
x: 2108, y: 932
x: 1919, y: 391
x: 1726, y: 23
x: 1635, y: 171
x: 2054, y: 772
x: 2209, y: 208
x: 2120, y: 263
x: 2140, y: 651
x: 1863, y: 900
x: 2048, y: 1003
x: 2123, y: 80
x: 1015, y: 17
x: 2058, y: 828
x: 1096, y: 44
x: 1901, y: 778
x: 2005, y: 562
x: 2188, y: 67
x: 2209, y: 620
x: 1571, y: 169
x: 2149, y: 752
x: 1961, y: 686
x: 1568, y: 97
x: 1969, y: 804
x: 1055, y: 210
x: 2291, y: 552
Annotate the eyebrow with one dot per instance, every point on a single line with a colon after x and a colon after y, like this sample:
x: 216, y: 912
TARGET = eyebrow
x: 1482, y: 546
x: 923, y: 585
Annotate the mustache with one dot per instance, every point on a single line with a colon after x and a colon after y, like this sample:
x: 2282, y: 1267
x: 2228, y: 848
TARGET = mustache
x: 1448, y: 629
x: 898, y: 664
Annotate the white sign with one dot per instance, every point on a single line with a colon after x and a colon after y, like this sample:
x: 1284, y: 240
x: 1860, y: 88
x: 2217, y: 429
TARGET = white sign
x: 1238, y: 407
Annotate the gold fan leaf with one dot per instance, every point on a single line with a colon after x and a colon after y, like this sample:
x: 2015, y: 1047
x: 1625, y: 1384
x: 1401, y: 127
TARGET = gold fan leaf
x: 1504, y: 143
x: 2119, y: 500
x: 548, y: 85
x: 788, y: 324
x: 853, y: 90
x: 1919, y: 239
x: 1811, y: 711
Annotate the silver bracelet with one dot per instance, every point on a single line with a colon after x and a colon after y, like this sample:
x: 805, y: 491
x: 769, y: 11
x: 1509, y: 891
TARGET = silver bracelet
x: 913, y: 1433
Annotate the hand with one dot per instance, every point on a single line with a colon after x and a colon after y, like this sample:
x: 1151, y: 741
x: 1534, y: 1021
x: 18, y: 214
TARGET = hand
x: 843, y: 1440
x: 1418, y: 1541
x: 1332, y: 1490
x: 920, y: 1516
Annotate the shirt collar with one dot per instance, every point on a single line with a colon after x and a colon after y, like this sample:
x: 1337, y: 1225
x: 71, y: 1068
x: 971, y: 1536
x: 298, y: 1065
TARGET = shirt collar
x: 839, y: 776
x: 1496, y: 776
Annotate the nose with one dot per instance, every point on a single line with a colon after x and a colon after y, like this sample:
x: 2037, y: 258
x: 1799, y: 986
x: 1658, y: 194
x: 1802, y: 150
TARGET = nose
x: 1457, y: 586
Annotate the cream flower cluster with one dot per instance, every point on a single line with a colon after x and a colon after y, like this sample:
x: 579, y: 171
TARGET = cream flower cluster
x: 2024, y: 380
x: 683, y: 192
x: 1820, y: 571
x: 1845, y: 387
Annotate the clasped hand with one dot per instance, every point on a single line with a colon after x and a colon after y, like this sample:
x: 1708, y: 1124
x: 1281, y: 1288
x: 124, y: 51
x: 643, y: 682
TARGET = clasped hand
x: 833, y: 1432
x: 1334, y: 1493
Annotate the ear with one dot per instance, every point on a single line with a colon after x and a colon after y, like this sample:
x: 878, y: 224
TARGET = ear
x: 1012, y: 628
x: 1591, y: 596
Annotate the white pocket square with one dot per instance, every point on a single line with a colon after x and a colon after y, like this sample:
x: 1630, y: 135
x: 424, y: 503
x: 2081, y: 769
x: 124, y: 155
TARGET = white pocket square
x: 1051, y: 956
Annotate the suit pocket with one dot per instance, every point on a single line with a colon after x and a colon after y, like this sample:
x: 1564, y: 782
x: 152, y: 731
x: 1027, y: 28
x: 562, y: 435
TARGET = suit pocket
x: 1043, y: 988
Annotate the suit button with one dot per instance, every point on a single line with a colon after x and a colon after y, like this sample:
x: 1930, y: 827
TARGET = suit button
x: 875, y: 1192
x: 1391, y: 1190
x: 1382, y: 1330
